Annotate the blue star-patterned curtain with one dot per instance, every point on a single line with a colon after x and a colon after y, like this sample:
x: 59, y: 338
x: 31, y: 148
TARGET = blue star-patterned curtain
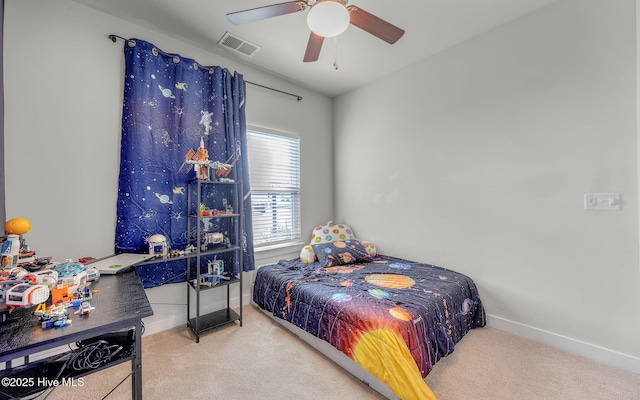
x: 173, y: 105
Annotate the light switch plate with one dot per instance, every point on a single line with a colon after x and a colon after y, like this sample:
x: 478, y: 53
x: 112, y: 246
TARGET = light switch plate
x: 602, y: 201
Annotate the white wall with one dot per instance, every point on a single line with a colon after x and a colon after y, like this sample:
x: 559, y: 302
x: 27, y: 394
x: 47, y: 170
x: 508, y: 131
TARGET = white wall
x: 63, y: 98
x: 477, y: 159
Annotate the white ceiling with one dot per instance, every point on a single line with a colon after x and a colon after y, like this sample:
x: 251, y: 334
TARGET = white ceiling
x: 430, y: 26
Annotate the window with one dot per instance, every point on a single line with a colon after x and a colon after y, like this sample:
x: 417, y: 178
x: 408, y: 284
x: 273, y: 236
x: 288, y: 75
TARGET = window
x: 274, y: 164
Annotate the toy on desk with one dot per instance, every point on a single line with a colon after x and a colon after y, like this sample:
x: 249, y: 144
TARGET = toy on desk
x: 75, y: 278
x: 6, y: 284
x: 73, y: 282
x: 18, y: 288
x: 174, y: 253
x: 85, y: 308
x: 10, y: 251
x: 92, y: 274
x: 26, y: 294
x: 14, y: 273
x: 63, y: 293
x: 158, y: 245
x: 47, y: 277
x: 60, y: 293
x: 200, y: 159
x: 52, y: 316
x: 83, y: 293
x: 36, y: 265
x: 75, y: 273
x: 20, y: 293
x: 66, y: 283
x: 61, y: 323
x: 15, y: 251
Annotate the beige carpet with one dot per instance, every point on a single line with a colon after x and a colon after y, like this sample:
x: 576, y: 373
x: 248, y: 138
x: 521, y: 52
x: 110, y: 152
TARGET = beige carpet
x: 262, y: 360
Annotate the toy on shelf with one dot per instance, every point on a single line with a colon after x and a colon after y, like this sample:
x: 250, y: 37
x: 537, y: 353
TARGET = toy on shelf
x: 204, y: 211
x: 200, y: 159
x: 212, y: 239
x: 215, y: 273
x: 228, y: 209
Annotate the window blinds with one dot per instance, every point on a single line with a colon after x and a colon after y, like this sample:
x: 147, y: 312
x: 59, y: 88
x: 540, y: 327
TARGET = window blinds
x: 274, y: 162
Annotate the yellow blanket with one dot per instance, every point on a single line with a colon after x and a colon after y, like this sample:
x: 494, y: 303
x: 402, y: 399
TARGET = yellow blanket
x: 386, y: 356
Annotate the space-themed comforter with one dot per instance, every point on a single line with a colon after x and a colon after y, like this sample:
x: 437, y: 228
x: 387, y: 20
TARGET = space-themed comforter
x: 395, y: 318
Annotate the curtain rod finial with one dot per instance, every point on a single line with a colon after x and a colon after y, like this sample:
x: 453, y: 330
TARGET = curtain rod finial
x: 115, y: 37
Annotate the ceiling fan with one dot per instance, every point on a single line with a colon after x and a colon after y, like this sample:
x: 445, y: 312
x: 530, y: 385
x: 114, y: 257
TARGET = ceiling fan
x: 326, y: 18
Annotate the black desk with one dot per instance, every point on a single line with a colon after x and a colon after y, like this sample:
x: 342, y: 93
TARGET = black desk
x: 121, y: 303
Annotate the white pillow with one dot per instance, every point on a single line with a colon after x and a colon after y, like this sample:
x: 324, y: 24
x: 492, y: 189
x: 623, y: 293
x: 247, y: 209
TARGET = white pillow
x: 331, y: 233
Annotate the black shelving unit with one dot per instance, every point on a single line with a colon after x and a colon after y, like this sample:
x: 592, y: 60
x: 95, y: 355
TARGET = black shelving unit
x: 230, y: 246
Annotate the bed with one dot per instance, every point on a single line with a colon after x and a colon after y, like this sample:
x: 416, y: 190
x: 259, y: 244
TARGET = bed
x: 393, y: 317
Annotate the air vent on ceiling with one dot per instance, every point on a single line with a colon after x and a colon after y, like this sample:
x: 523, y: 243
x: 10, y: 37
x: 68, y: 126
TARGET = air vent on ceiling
x: 238, y: 45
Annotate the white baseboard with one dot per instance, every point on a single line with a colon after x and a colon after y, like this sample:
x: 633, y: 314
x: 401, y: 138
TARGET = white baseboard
x: 165, y: 316
x: 597, y: 353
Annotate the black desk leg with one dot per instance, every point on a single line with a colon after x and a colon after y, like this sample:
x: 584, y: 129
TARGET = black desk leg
x: 136, y: 365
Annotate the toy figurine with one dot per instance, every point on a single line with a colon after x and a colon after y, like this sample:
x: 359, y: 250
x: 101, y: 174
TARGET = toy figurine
x: 62, y: 323
x: 19, y: 251
x: 52, y: 316
x: 85, y: 308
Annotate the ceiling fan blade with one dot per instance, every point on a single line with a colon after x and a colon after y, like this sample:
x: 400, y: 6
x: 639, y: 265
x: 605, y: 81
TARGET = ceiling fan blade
x: 374, y: 25
x: 260, y: 13
x: 313, y: 48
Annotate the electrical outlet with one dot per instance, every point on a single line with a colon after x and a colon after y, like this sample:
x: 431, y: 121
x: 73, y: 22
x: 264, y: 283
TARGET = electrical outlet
x: 602, y: 201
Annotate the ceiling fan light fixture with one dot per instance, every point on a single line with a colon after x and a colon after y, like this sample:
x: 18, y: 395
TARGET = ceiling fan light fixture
x: 328, y: 18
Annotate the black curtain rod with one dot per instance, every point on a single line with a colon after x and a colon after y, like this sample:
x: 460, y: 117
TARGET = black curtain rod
x: 276, y: 90
x: 116, y: 37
